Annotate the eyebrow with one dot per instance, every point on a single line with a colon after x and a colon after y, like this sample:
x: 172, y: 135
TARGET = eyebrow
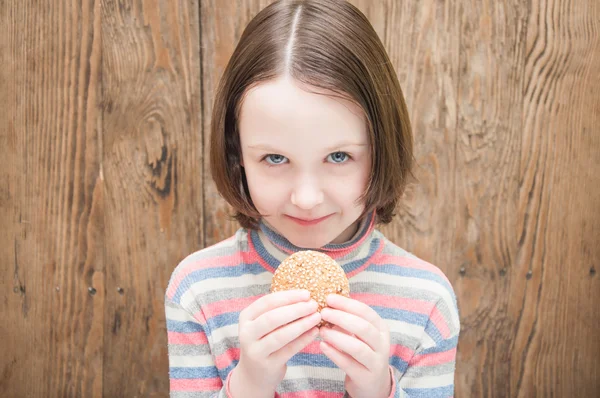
x: 267, y: 147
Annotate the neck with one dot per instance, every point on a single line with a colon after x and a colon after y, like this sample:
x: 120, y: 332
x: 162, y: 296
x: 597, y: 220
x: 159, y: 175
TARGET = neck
x: 272, y: 248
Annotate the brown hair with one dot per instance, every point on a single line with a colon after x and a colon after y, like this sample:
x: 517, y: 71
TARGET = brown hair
x: 327, y: 44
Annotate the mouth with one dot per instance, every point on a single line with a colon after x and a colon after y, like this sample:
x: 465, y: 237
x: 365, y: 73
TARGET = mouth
x: 313, y: 221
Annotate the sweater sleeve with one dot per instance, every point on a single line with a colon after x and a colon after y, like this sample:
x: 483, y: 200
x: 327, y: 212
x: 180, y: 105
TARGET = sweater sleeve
x: 430, y: 372
x: 192, y: 370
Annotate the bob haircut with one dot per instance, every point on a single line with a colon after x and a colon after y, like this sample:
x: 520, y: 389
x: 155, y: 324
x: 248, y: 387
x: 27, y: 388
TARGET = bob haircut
x: 332, y: 46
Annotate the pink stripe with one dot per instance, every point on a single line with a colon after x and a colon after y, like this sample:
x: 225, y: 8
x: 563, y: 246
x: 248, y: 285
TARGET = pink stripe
x: 312, y: 348
x: 401, y: 352
x: 187, y: 338
x: 407, y: 304
x: 312, y: 394
x: 411, y: 263
x: 214, y: 383
x: 401, y: 303
x: 225, y: 306
x: 225, y: 359
x: 205, y: 263
x: 433, y: 359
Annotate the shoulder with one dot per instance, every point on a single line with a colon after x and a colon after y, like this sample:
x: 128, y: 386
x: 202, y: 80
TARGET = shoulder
x: 422, y: 281
x: 210, y: 262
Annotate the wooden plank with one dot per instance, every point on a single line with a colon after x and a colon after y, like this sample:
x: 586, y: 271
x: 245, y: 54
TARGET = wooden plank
x: 52, y: 201
x: 489, y: 103
x: 152, y: 164
x: 556, y: 347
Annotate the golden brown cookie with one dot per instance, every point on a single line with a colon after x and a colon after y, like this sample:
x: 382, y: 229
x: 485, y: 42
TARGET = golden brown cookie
x: 313, y: 271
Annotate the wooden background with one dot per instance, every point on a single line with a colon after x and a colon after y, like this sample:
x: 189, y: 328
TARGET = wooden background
x: 104, y: 185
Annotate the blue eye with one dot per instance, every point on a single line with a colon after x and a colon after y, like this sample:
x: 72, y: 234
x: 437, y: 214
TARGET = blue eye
x: 339, y: 157
x: 275, y: 159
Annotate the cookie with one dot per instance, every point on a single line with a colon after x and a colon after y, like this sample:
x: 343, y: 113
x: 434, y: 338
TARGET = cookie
x: 313, y: 271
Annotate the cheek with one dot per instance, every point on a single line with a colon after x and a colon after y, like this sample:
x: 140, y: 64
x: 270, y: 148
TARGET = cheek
x: 346, y: 191
x: 357, y: 179
x: 266, y: 192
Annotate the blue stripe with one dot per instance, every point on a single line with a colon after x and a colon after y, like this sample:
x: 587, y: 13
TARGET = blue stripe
x: 224, y: 319
x: 319, y: 360
x: 401, y: 315
x: 445, y: 392
x: 205, y: 372
x: 183, y: 327
x: 398, y: 363
x: 262, y: 252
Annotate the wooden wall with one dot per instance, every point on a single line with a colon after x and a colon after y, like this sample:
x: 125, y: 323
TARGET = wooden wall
x: 104, y: 185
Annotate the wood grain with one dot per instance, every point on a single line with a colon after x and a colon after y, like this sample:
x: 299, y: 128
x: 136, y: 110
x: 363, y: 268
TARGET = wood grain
x: 152, y: 165
x: 52, y: 246
x: 555, y: 346
x: 488, y: 154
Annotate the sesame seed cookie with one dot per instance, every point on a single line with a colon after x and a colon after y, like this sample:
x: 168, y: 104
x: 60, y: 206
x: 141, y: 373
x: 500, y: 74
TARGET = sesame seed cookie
x: 313, y: 271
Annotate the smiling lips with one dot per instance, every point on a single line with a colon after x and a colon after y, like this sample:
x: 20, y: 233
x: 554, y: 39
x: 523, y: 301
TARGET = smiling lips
x: 313, y: 221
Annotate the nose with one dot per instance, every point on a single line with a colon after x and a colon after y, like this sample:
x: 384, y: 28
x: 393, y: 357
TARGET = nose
x: 307, y: 193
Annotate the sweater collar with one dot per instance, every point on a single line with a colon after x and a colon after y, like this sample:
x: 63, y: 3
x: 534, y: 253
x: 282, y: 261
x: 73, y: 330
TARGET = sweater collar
x: 272, y: 248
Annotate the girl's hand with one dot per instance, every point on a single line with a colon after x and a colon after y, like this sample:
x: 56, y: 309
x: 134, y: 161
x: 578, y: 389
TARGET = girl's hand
x: 272, y: 330
x: 359, y: 344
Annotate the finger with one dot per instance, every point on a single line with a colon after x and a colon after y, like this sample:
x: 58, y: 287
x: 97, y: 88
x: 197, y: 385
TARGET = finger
x: 355, y: 325
x: 340, y: 329
x: 352, y: 346
x: 292, y: 348
x: 269, y: 321
x: 284, y: 335
x: 355, y: 307
x: 353, y: 369
x: 274, y: 300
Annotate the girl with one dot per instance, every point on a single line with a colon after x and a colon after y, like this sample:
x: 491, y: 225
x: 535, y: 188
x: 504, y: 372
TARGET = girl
x: 312, y: 147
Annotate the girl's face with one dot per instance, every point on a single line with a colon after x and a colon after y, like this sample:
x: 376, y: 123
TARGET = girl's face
x: 307, y: 160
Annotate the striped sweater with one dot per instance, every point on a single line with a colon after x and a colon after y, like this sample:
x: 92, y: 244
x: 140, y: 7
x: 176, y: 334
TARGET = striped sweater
x: 209, y: 288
